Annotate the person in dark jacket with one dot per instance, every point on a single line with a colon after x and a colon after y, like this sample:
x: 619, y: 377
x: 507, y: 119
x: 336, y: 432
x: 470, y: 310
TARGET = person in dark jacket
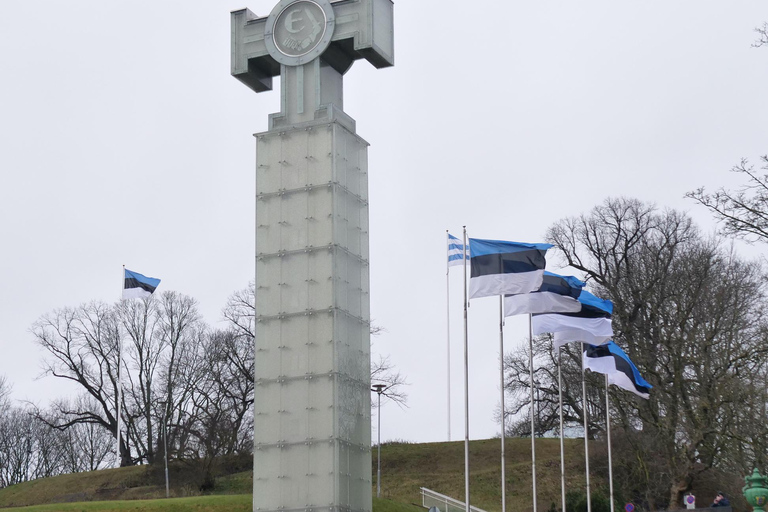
x: 720, y: 501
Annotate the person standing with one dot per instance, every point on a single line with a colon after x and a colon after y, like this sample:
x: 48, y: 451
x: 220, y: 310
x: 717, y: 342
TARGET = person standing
x: 720, y: 501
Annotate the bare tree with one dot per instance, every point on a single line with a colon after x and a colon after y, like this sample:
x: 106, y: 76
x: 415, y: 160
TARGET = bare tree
x: 230, y: 369
x: 5, y: 393
x: 140, y: 319
x: 32, y: 447
x: 762, y: 33
x: 82, y: 347
x: 384, y: 372
x: 29, y: 448
x: 48, y: 447
x: 743, y: 212
x: 82, y: 446
x: 240, y: 311
x: 546, y: 401
x: 176, y: 373
x: 158, y: 335
x: 164, y: 335
x: 183, y: 337
x: 688, y: 312
x: 16, y: 447
x: 217, y: 420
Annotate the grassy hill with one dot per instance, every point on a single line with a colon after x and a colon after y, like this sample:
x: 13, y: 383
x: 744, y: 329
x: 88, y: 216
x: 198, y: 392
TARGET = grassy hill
x: 440, y: 467
x: 405, y: 468
x: 228, y: 503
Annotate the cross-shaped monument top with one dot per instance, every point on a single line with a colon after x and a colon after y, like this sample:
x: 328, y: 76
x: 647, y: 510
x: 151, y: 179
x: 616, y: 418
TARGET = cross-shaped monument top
x: 310, y: 44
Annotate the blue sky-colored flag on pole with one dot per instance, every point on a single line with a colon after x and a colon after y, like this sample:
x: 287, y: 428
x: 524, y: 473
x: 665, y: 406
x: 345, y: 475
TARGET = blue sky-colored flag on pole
x: 502, y: 268
x: 621, y: 371
x: 138, y: 286
x: 455, y: 251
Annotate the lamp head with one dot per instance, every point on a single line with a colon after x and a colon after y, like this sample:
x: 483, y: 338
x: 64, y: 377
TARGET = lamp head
x: 378, y: 388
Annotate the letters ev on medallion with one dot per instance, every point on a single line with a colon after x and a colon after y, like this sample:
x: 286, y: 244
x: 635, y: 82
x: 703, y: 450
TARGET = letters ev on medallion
x: 299, y: 28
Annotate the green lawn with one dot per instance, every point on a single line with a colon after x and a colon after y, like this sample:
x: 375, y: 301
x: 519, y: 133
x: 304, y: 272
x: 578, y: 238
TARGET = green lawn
x: 226, y: 503
x: 405, y: 468
x: 231, y: 503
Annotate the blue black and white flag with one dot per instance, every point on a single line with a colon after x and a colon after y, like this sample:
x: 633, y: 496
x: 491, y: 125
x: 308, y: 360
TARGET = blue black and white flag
x: 621, y: 371
x: 455, y: 251
x: 501, y: 268
x: 557, y: 294
x: 137, y: 286
x: 591, y: 324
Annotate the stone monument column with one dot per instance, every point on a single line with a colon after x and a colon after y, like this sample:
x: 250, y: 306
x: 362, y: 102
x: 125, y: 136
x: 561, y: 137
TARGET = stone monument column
x: 312, y: 439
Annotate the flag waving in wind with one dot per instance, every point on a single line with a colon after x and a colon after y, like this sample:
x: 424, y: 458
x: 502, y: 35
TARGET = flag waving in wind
x: 557, y: 294
x: 591, y: 324
x: 501, y: 268
x: 455, y: 251
x: 621, y: 371
x: 137, y: 286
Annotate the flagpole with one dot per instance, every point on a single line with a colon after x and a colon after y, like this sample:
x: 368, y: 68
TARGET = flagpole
x: 448, y: 329
x: 586, y: 431
x: 503, y: 427
x: 119, y: 381
x: 562, y: 435
x: 608, y: 427
x: 466, y: 382
x: 533, y: 434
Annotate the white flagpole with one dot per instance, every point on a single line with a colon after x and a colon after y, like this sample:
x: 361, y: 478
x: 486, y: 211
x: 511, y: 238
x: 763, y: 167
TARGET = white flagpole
x: 562, y: 442
x: 608, y: 426
x: 119, y: 381
x: 503, y: 425
x: 448, y: 329
x: 119, y: 400
x: 586, y: 441
x: 466, y: 382
x: 533, y: 433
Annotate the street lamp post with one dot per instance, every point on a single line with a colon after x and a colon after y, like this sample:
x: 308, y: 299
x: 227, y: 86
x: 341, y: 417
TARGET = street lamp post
x: 379, y: 389
x: 165, y: 450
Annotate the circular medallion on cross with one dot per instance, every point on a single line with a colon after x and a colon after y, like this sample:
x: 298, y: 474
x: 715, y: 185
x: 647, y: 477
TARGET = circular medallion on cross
x: 298, y: 31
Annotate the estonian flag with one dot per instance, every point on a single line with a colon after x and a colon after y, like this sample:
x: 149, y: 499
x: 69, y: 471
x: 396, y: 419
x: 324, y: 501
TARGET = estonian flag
x: 612, y: 361
x: 455, y: 251
x: 501, y: 268
x: 557, y: 294
x: 137, y: 286
x: 591, y: 324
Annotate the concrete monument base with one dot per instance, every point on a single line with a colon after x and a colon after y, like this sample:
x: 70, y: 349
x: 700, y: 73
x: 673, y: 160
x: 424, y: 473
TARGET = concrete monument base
x: 313, y: 320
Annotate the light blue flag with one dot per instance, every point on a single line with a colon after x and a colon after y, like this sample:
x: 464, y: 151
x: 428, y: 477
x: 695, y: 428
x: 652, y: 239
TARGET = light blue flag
x: 138, y: 286
x: 504, y: 268
x: 455, y: 251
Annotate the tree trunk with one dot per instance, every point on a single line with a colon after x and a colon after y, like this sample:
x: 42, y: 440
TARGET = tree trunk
x: 125, y: 453
x: 150, y: 435
x: 677, y: 492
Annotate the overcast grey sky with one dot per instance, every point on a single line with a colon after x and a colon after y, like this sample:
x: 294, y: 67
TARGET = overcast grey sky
x: 124, y: 140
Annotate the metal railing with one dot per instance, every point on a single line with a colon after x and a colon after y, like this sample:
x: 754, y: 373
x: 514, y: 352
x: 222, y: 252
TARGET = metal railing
x: 443, y: 503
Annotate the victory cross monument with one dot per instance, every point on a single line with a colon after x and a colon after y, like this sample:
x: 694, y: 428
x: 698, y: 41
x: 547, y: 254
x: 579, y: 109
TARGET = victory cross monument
x: 312, y: 442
